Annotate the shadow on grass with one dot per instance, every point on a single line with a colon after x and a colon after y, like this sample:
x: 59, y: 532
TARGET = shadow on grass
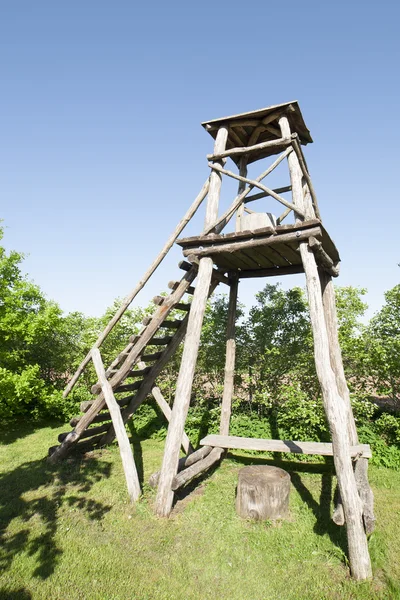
x: 137, y: 451
x: 321, y: 508
x: 19, y: 594
x: 20, y: 429
x: 53, y: 489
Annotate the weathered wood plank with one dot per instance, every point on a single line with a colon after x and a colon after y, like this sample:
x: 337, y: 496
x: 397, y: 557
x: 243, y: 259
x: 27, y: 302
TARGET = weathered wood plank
x: 128, y: 463
x: 241, y: 443
x: 272, y: 272
x: 254, y: 183
x: 322, y: 257
x: 279, y: 143
x: 256, y: 242
x: 334, y: 404
x: 229, y: 375
x: 225, y: 218
x: 199, y: 467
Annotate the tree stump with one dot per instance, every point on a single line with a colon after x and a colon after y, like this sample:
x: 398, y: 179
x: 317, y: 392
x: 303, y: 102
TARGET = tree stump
x: 263, y: 493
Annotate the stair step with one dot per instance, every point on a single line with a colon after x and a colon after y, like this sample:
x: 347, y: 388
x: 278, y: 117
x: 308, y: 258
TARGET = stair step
x: 129, y: 387
x: 182, y: 306
x: 171, y: 324
x: 88, y: 443
x: 174, y: 284
x: 121, y: 402
x: 185, y: 266
x: 100, y: 418
x: 91, y: 431
x: 150, y: 357
x: 163, y: 341
x: 139, y: 372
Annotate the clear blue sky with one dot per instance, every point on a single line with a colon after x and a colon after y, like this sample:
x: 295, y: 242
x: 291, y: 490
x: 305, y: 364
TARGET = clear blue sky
x: 102, y: 151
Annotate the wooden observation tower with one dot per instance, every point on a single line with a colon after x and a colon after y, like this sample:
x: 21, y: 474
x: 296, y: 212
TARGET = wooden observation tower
x: 260, y: 246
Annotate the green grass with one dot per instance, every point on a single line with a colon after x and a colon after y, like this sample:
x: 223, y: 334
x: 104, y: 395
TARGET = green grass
x: 68, y: 532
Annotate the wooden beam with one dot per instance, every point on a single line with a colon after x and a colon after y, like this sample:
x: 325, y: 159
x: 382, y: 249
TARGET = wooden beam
x: 281, y: 190
x: 322, y: 258
x: 128, y: 463
x: 200, y: 466
x: 166, y: 410
x: 303, y: 166
x: 271, y: 272
x: 283, y: 141
x: 225, y: 218
x: 229, y: 376
x: 293, y: 236
x: 241, y: 443
x: 258, y: 185
x: 241, y: 188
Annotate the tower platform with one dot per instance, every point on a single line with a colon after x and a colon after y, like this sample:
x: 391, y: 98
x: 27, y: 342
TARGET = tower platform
x: 265, y: 252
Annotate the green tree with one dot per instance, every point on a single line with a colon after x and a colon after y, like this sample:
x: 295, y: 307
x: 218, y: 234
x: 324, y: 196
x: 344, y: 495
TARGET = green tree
x: 382, y: 346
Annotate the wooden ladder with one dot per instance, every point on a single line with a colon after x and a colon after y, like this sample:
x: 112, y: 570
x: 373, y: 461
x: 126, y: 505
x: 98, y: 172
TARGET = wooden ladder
x: 133, y: 373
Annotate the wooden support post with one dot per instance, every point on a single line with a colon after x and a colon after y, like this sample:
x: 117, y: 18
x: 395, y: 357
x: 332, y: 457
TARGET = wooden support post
x: 128, y: 463
x: 230, y: 359
x: 334, y: 405
x: 361, y: 463
x: 222, y: 221
x: 165, y: 494
x: 241, y: 188
x: 166, y: 410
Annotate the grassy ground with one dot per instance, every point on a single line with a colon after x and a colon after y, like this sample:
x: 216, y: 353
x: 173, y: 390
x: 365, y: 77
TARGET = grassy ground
x: 69, y: 533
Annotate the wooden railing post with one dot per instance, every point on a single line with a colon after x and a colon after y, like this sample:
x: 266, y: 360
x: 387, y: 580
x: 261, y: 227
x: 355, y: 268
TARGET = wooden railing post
x: 230, y: 359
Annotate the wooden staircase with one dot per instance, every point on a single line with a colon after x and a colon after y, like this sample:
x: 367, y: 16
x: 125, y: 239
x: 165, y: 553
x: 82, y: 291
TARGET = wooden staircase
x: 133, y: 372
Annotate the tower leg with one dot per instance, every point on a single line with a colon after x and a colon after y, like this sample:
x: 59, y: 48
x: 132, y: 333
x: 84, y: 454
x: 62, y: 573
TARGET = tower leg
x: 336, y: 407
x: 361, y: 464
x: 337, y: 416
x: 169, y: 468
x: 229, y: 360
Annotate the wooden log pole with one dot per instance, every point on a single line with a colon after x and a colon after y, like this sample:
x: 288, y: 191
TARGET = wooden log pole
x: 128, y: 463
x: 226, y: 406
x: 292, y: 236
x: 337, y: 417
x: 334, y: 404
x: 196, y: 469
x: 283, y: 141
x: 165, y: 494
x: 255, y: 183
x: 183, y: 463
x: 361, y: 463
x: 166, y: 410
x: 130, y: 297
x: 322, y: 258
x: 303, y: 166
x: 241, y: 188
x: 222, y: 221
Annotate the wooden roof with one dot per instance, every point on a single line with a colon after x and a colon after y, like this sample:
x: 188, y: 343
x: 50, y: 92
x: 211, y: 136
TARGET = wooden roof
x: 242, y: 127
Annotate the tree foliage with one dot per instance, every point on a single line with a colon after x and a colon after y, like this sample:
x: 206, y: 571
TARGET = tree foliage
x: 276, y: 388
